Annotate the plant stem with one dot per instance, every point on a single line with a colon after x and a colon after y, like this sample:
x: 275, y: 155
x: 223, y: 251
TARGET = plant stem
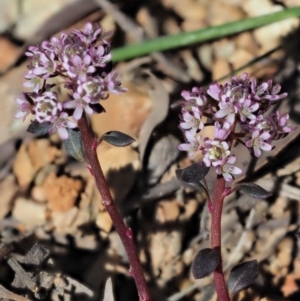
x: 220, y: 284
x: 124, y: 232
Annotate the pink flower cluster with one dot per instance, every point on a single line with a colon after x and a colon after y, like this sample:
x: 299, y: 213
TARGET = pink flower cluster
x: 81, y: 60
x: 236, y: 110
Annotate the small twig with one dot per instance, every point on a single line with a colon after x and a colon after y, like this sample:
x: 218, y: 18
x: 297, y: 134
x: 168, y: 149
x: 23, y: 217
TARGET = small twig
x: 26, y: 279
x: 5, y: 294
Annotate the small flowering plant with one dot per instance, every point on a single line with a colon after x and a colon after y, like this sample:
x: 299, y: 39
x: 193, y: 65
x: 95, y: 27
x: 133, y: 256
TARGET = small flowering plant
x: 81, y: 61
x: 238, y: 111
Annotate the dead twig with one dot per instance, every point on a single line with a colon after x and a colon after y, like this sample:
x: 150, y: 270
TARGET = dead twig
x: 25, y: 278
x: 6, y: 294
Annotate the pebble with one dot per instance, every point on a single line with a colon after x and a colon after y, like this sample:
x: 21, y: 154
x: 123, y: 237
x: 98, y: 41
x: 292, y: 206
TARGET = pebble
x: 246, y: 41
x: 221, y: 67
x: 192, y: 66
x: 268, y: 37
x: 224, y: 48
x: 228, y: 13
x: 192, y: 11
x: 164, y: 246
x: 61, y: 192
x: 191, y: 25
x: 43, y: 174
x: 167, y: 211
x: 205, y: 55
x: 38, y: 194
x: 87, y: 242
x: 29, y: 212
x: 9, y: 53
x: 240, y: 58
x: 104, y: 222
x: 64, y: 219
x: 292, y: 167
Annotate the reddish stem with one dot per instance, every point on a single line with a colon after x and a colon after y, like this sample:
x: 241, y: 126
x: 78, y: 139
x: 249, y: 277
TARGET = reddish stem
x: 220, y: 284
x: 123, y: 231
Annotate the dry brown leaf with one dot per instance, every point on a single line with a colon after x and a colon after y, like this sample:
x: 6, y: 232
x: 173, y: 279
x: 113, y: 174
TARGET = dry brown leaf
x: 159, y: 112
x: 108, y: 291
x: 6, y: 294
x: 167, y: 211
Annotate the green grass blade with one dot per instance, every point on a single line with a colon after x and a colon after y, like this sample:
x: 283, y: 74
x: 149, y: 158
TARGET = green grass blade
x: 188, y: 38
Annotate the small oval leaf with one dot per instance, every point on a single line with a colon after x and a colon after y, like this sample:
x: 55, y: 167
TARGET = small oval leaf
x: 73, y: 145
x: 253, y: 190
x: 97, y: 108
x: 39, y: 128
x: 117, y: 138
x: 192, y: 174
x: 200, y: 186
x: 205, y: 262
x: 242, y: 275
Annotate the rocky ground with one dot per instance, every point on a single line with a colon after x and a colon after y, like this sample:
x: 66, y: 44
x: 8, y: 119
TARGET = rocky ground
x: 54, y: 231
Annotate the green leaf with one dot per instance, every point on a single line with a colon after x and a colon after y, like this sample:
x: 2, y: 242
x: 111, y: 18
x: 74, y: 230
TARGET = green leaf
x: 38, y: 128
x: 73, y: 145
x: 205, y: 262
x: 117, y: 138
x: 253, y: 190
x: 192, y: 174
x: 242, y: 275
x: 188, y: 38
